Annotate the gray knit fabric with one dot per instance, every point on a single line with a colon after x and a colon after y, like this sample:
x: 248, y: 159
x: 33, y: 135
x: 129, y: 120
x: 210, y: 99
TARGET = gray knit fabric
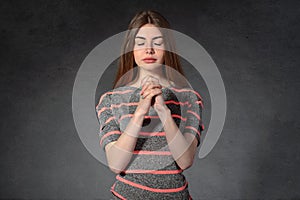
x: 115, y: 110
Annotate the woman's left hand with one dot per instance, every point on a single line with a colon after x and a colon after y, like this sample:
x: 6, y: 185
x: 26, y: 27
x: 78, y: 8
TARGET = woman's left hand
x: 149, y: 83
x: 159, y: 105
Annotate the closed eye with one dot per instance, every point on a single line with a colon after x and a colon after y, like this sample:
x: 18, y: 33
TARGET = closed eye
x: 158, y: 44
x: 158, y: 41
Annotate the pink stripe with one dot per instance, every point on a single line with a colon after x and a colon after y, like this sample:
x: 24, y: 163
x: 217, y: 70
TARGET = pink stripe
x: 125, y: 116
x: 109, y: 119
x: 120, y: 92
x: 178, y: 116
x: 101, y: 98
x: 147, y: 116
x: 187, y: 90
x: 108, y: 134
x: 118, y: 195
x: 154, y: 171
x: 117, y: 106
x: 102, y: 109
x: 190, y: 127
x: 113, y: 92
x: 99, y: 101
x: 177, y: 102
x: 131, y: 115
x: 126, y: 91
x: 124, y: 104
x: 200, y: 103
x: 136, y: 103
x: 152, y: 117
x: 165, y: 153
x: 196, y: 115
x: 169, y: 190
x: 152, y: 133
x: 115, y: 193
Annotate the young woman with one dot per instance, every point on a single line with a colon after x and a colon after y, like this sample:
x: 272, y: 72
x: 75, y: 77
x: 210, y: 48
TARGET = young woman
x: 150, y: 123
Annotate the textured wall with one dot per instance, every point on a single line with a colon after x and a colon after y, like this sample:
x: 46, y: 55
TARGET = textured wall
x: 254, y: 44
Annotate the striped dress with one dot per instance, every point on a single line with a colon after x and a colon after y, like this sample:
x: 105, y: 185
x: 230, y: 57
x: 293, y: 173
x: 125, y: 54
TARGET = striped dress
x: 152, y: 172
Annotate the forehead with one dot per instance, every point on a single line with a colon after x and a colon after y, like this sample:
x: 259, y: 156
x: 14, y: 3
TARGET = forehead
x: 149, y: 30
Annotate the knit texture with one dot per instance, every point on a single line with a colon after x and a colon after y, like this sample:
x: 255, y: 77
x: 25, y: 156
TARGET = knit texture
x: 152, y: 172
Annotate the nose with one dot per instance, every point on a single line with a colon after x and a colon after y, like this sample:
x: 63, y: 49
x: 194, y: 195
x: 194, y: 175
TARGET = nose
x: 149, y: 50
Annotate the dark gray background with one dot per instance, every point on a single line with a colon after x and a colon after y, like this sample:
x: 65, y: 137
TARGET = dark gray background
x: 255, y: 45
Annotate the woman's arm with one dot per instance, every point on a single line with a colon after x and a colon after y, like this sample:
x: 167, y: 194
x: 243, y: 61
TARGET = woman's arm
x: 182, y: 147
x: 119, y: 153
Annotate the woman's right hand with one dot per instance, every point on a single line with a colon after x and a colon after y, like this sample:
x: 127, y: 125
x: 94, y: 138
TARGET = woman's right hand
x: 150, y: 89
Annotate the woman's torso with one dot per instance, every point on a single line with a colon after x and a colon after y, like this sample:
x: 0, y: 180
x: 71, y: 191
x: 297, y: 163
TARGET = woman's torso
x: 152, y: 172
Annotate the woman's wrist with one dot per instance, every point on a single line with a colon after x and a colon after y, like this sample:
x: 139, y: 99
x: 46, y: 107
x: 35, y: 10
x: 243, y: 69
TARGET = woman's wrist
x: 138, y: 117
x: 164, y: 113
x: 134, y: 126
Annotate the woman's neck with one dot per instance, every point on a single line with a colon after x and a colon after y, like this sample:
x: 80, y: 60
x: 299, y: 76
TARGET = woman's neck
x: 156, y: 73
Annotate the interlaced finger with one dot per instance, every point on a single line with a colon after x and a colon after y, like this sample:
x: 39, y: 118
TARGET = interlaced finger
x: 150, y: 85
x: 151, y: 93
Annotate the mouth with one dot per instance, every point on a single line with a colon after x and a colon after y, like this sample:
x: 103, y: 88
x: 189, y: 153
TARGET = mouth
x: 149, y: 60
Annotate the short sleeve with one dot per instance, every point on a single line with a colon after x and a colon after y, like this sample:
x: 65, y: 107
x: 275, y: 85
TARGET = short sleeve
x: 194, y: 123
x: 109, y: 130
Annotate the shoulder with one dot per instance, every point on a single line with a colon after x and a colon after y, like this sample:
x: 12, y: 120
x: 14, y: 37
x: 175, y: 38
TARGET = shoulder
x: 117, y: 93
x: 188, y: 93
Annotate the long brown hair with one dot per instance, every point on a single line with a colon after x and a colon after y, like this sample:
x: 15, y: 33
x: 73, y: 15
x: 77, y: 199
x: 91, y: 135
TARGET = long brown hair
x: 127, y: 63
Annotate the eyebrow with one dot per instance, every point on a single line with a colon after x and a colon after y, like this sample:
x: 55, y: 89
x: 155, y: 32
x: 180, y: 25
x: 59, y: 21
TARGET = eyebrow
x: 154, y: 38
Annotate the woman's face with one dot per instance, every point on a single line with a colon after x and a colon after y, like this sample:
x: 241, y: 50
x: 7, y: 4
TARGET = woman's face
x: 149, y: 48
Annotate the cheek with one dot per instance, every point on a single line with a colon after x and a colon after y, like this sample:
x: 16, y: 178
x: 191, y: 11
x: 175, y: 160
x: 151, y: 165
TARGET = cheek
x: 137, y: 56
x: 137, y: 53
x: 161, y: 55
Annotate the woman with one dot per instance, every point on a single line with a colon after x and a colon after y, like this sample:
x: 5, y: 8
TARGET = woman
x: 150, y: 124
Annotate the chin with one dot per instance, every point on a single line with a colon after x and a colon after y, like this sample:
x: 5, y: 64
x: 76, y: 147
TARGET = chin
x: 151, y: 66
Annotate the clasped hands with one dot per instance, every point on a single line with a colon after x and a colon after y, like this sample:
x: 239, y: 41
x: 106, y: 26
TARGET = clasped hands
x: 151, y: 94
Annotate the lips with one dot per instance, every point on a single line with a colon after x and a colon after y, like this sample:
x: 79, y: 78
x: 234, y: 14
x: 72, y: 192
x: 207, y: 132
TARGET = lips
x: 149, y: 60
